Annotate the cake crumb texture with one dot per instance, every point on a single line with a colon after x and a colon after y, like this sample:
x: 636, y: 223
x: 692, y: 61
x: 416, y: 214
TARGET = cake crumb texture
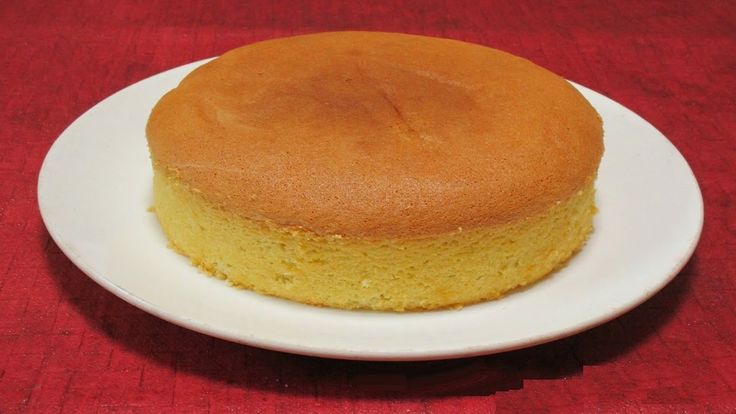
x: 450, y: 270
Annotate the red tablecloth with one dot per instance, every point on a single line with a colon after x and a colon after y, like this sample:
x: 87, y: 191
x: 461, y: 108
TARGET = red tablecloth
x: 68, y: 345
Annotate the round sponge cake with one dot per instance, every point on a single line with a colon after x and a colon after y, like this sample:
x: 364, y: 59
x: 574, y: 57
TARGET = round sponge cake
x: 375, y: 170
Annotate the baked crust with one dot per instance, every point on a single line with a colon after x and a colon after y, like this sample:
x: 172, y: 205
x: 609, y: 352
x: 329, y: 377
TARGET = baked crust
x: 376, y: 135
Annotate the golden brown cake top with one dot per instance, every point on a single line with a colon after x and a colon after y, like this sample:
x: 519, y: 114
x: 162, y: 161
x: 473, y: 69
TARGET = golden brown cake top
x: 376, y: 135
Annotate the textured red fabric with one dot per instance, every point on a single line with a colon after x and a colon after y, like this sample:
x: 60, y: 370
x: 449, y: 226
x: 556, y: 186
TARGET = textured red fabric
x: 66, y: 345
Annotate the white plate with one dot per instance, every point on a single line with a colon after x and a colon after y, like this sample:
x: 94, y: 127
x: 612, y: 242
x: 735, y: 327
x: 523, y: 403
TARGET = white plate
x: 95, y: 186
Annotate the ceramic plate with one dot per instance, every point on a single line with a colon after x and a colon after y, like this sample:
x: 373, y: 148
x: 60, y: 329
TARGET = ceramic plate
x: 95, y: 187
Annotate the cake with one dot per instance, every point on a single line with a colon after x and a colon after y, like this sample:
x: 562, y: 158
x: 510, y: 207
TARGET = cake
x: 381, y: 171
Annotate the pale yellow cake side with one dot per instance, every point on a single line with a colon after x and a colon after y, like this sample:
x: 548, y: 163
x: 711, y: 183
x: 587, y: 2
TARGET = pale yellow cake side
x: 448, y: 270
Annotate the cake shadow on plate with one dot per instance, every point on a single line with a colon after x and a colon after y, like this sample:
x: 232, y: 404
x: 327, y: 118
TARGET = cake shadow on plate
x: 115, y: 323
